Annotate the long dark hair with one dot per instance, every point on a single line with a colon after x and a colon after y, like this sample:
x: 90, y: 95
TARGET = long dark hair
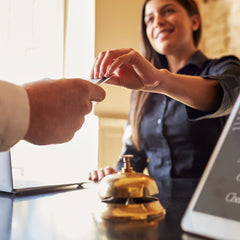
x: 139, y: 98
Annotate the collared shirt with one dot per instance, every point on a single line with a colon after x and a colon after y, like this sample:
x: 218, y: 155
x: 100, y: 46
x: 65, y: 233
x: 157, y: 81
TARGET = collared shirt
x: 14, y: 114
x: 177, y: 140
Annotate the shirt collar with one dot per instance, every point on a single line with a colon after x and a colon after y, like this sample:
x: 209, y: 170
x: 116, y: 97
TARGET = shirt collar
x: 198, y: 59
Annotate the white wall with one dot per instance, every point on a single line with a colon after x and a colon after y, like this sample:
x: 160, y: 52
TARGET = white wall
x: 34, y: 45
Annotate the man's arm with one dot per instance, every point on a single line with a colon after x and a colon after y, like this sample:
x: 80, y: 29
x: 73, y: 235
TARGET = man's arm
x: 14, y: 114
x: 46, y: 111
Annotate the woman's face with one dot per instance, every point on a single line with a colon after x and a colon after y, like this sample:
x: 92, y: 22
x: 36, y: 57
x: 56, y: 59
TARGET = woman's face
x: 169, y: 28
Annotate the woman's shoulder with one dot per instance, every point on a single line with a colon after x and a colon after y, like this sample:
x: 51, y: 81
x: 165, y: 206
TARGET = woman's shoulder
x: 225, y: 59
x: 223, y: 63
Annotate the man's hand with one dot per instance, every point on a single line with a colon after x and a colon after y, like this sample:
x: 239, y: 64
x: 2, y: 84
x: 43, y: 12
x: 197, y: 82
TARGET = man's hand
x: 58, y: 108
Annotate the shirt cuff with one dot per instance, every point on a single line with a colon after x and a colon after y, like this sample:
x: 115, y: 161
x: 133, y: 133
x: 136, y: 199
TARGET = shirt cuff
x: 14, y: 114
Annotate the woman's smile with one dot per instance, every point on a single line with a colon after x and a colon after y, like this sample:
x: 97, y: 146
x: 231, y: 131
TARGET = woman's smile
x: 162, y: 34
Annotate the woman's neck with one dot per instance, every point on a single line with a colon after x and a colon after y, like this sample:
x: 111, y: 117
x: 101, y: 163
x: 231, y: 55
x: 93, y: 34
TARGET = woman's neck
x: 178, y: 61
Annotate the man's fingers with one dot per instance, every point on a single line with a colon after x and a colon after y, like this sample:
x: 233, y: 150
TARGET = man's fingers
x: 97, y: 94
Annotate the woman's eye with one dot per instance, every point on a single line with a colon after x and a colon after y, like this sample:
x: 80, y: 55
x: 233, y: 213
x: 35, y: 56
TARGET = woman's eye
x: 148, y: 20
x: 168, y: 11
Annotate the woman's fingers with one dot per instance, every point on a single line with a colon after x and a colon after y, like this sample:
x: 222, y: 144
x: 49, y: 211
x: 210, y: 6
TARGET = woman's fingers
x: 93, y: 176
x: 103, y: 63
x: 109, y: 170
x: 101, y: 174
x: 98, y: 65
x: 98, y: 175
x: 127, y: 58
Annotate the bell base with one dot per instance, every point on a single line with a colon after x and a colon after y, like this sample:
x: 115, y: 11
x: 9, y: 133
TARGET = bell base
x: 146, y: 211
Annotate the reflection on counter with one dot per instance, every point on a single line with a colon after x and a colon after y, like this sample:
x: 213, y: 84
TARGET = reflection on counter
x: 59, y: 215
x: 128, y: 230
x: 187, y: 236
x: 6, y: 217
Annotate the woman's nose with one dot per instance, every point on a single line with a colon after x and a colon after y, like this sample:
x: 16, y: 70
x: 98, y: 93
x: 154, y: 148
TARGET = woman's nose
x: 159, y: 20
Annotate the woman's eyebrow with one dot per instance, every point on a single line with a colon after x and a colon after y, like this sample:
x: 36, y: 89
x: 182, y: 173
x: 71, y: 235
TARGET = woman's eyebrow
x: 160, y: 9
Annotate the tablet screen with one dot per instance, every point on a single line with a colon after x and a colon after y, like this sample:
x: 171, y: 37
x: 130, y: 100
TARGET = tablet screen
x: 221, y: 193
x: 214, y: 209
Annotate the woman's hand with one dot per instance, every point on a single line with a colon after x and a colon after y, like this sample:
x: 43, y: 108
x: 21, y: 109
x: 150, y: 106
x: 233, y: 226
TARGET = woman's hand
x: 97, y: 175
x: 130, y: 69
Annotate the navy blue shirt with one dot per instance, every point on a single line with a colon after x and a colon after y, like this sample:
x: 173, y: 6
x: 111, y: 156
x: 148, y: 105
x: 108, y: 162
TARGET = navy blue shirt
x: 176, y: 140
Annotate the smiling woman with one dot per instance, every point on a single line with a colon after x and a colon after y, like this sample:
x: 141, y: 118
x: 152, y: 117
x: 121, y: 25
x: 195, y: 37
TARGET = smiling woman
x: 174, y: 20
x: 181, y: 98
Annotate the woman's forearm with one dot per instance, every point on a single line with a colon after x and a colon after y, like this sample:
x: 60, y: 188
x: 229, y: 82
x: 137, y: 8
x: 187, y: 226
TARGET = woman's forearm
x: 196, y: 92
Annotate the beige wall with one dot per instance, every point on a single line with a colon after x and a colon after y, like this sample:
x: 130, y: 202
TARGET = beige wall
x: 221, y: 27
x: 117, y: 26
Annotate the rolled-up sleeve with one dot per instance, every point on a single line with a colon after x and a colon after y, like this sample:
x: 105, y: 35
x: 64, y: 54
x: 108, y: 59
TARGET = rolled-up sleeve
x: 14, y: 114
x: 227, y: 72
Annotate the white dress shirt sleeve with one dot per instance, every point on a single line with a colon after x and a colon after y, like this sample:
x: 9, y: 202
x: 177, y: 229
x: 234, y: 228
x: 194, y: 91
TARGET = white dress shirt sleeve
x: 14, y: 114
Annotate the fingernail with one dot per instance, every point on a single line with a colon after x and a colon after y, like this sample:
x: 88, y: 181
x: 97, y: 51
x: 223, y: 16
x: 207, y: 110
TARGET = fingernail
x: 106, y: 74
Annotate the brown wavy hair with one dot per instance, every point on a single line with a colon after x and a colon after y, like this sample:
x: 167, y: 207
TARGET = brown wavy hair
x: 139, y: 98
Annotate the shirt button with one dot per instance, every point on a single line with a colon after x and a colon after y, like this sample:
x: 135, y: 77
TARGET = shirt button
x: 159, y: 121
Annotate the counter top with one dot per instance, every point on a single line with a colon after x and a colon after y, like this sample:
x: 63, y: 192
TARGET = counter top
x: 68, y: 215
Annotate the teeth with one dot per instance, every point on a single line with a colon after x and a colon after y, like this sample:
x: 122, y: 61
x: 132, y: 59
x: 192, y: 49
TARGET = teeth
x: 160, y: 33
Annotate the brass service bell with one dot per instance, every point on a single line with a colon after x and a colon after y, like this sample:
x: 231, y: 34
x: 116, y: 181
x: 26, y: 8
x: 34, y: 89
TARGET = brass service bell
x: 128, y: 195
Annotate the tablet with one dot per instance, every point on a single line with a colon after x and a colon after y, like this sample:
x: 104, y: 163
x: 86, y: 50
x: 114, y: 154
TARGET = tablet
x: 214, y: 210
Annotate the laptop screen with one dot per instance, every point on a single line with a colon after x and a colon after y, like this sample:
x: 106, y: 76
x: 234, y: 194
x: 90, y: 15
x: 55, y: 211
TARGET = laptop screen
x: 5, y: 172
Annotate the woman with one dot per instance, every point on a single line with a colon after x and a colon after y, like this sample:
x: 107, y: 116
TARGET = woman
x: 181, y: 98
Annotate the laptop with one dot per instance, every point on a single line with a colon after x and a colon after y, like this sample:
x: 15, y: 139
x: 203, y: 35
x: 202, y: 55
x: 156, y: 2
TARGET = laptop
x: 214, y: 209
x: 10, y: 183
